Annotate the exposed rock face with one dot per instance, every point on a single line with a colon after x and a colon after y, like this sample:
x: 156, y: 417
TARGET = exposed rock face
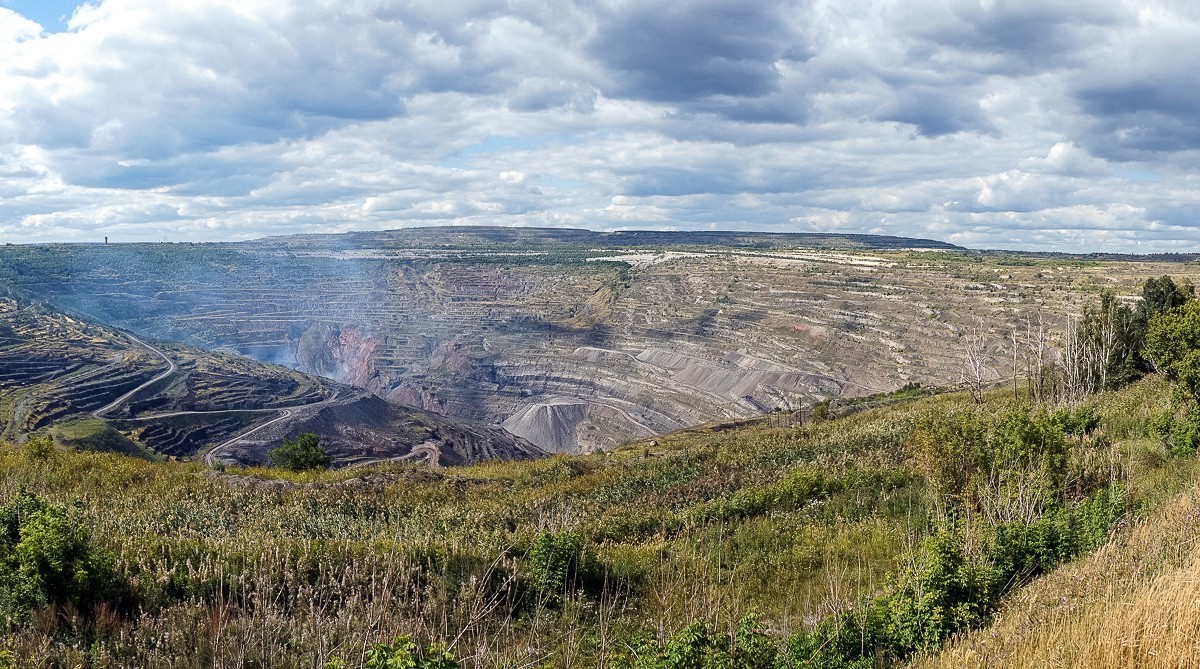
x: 341, y: 352
x: 576, y: 340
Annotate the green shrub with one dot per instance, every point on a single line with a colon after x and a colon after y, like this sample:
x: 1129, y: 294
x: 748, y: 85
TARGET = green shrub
x: 946, y: 449
x: 836, y: 643
x: 699, y: 647
x: 47, y: 559
x: 39, y: 448
x: 1173, y: 344
x: 798, y: 488
x: 821, y: 410
x: 301, y: 454
x: 403, y: 653
x: 949, y: 586
x: 553, y: 559
x: 1078, y: 422
x: 1009, y: 464
x: 1180, y: 434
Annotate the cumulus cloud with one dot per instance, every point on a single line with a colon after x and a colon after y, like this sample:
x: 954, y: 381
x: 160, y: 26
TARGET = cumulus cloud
x: 1140, y: 93
x: 1010, y: 123
x: 684, y: 52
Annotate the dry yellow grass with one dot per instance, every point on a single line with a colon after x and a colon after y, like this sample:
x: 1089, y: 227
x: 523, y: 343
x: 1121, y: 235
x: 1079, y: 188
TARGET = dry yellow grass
x: 1134, y: 603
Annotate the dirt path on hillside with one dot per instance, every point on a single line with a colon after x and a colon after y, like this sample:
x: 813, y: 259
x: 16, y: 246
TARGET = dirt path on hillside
x: 171, y: 367
x: 210, y: 457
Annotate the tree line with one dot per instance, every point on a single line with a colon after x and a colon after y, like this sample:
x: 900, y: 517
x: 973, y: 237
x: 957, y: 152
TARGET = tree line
x: 1105, y: 347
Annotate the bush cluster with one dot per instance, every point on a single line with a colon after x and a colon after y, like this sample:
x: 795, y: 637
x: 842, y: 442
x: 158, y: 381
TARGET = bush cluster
x: 698, y: 646
x: 953, y: 584
x: 301, y: 454
x: 47, y: 559
x: 404, y: 653
x: 1003, y: 515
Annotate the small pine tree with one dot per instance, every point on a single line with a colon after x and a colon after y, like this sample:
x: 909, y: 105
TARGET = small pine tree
x: 301, y: 454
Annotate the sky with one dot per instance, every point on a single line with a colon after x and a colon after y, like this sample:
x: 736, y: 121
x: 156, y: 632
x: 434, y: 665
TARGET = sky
x: 1071, y: 125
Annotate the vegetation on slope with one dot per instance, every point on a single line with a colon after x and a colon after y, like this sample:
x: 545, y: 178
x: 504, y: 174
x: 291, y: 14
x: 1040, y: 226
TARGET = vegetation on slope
x: 1132, y: 603
x: 327, y: 568
x: 627, y: 559
x: 94, y: 434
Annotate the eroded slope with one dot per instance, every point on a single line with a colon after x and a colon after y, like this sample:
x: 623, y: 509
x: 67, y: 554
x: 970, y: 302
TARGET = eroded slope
x: 93, y: 386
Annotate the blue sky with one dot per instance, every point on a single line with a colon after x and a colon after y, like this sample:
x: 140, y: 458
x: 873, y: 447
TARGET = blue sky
x: 51, y: 14
x: 1071, y: 125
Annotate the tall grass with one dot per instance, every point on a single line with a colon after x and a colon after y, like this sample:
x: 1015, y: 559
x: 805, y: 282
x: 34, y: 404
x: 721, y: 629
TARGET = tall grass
x: 1131, y: 604
x: 262, y: 568
x: 270, y: 569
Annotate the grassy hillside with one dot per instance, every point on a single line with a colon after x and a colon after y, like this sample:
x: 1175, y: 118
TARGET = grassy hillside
x: 92, y: 434
x: 638, y: 557
x: 1131, y: 604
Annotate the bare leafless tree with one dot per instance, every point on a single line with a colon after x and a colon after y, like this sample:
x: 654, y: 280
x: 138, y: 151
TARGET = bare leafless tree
x: 1112, y: 324
x: 1037, y: 356
x: 1078, y: 362
x: 1016, y: 348
x: 1105, y: 347
x: 974, y: 355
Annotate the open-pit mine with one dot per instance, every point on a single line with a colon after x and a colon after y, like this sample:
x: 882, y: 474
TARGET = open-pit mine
x: 559, y: 340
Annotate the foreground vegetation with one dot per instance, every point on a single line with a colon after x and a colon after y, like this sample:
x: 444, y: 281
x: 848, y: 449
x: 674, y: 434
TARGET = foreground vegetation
x: 854, y: 540
x: 1132, y: 604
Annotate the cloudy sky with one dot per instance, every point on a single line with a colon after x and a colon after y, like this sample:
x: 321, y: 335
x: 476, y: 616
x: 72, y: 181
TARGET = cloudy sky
x: 1069, y: 125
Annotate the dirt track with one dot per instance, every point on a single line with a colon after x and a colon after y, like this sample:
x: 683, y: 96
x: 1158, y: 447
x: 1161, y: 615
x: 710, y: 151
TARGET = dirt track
x: 171, y: 367
x: 210, y: 457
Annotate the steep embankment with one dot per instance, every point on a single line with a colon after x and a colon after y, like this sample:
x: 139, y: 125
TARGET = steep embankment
x: 1134, y: 603
x: 96, y: 388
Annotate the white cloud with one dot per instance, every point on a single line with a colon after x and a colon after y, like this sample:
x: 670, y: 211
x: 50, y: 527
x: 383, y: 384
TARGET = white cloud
x: 1008, y: 122
x: 1066, y: 158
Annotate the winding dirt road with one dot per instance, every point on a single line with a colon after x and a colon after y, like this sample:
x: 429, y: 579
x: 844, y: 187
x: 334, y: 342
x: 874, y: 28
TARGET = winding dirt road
x: 171, y: 367
x: 210, y: 457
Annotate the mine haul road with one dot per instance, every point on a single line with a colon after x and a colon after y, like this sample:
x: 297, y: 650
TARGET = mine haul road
x: 210, y: 457
x: 171, y: 367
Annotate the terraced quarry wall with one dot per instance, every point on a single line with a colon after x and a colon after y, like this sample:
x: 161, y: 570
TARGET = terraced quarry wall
x: 92, y: 387
x: 572, y: 345
x: 77, y: 368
